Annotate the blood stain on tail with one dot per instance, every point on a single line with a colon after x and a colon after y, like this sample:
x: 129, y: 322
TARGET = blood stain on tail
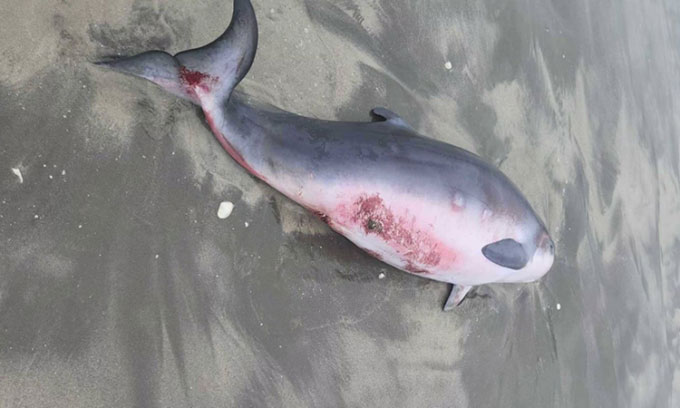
x: 196, y: 79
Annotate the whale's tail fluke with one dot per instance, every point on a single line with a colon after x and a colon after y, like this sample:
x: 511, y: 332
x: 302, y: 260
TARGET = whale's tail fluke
x: 211, y: 71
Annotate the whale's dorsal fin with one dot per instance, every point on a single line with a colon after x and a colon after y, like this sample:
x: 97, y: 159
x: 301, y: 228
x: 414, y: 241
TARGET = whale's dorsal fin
x: 507, y: 253
x: 380, y: 114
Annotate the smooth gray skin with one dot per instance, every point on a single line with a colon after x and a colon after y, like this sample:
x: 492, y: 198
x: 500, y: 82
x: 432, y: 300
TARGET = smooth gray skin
x: 390, y: 153
x: 386, y: 152
x: 284, y: 312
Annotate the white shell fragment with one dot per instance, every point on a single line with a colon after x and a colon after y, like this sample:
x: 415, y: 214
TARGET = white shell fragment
x: 17, y: 172
x: 225, y: 209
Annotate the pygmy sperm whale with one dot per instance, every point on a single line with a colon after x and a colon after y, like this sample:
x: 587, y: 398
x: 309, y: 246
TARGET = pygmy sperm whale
x: 423, y: 206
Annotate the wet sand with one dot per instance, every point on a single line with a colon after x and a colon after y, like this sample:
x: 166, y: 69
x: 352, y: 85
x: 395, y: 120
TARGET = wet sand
x: 120, y: 286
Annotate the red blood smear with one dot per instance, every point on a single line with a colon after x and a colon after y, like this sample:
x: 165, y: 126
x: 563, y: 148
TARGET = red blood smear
x: 417, y: 246
x: 413, y: 269
x: 322, y: 216
x: 192, y: 79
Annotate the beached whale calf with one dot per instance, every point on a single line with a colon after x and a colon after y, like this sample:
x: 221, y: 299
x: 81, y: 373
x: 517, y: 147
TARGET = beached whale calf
x: 423, y: 206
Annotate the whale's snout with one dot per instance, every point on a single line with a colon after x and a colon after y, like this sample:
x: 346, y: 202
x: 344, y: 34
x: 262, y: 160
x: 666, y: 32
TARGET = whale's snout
x: 547, y: 244
x: 540, y: 263
x: 545, y: 255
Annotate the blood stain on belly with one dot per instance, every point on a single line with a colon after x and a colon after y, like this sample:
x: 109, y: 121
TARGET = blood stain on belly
x: 417, y: 247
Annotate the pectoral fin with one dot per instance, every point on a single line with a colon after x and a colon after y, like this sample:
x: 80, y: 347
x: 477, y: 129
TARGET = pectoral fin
x: 507, y: 253
x: 456, y: 296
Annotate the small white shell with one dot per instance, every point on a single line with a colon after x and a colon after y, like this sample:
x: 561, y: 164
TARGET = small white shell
x: 17, y: 172
x: 225, y: 209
